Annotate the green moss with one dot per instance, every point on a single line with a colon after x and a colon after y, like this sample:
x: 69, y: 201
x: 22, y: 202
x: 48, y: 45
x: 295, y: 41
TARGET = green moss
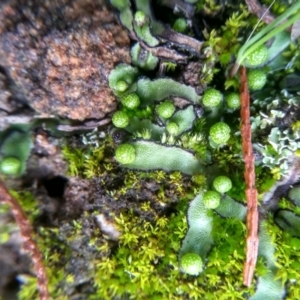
x: 87, y: 161
x: 28, y: 203
x: 146, y: 251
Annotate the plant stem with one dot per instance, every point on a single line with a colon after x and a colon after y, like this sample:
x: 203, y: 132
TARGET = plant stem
x: 267, y: 33
x: 29, y: 244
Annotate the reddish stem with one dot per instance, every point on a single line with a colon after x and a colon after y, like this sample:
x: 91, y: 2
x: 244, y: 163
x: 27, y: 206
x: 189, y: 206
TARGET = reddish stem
x: 249, y: 175
x: 29, y: 244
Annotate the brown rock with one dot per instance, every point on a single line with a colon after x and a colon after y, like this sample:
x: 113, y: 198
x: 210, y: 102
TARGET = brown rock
x: 59, y: 53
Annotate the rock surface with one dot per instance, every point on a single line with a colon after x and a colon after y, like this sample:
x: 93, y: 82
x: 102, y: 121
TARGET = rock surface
x: 56, y: 56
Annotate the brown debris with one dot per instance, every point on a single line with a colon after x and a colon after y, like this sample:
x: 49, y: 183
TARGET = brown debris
x: 60, y: 54
x: 191, y: 74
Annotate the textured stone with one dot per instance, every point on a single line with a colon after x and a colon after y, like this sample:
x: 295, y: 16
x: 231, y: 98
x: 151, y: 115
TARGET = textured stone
x: 59, y: 55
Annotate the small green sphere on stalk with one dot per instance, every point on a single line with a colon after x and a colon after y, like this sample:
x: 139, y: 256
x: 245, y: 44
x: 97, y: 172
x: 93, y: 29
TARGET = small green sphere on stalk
x: 191, y: 263
x: 256, y: 79
x: 211, y: 199
x: 125, y: 154
x: 120, y: 119
x: 212, y: 98
x: 165, y: 109
x: 131, y: 101
x: 222, y: 184
x: 233, y: 100
x: 10, y: 166
x: 219, y: 133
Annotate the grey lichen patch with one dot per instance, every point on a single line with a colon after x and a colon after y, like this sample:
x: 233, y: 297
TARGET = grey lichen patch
x: 62, y: 67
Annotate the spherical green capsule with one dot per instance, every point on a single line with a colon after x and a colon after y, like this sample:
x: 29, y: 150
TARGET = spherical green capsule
x: 211, y: 199
x: 220, y: 133
x: 172, y: 128
x: 222, y: 184
x: 233, y: 100
x: 191, y: 263
x: 131, y: 101
x: 256, y: 79
x: 10, y: 166
x: 180, y: 25
x: 140, y: 18
x: 121, y: 86
x: 257, y: 56
x: 125, y: 154
x: 120, y: 119
x: 165, y: 109
x: 211, y: 98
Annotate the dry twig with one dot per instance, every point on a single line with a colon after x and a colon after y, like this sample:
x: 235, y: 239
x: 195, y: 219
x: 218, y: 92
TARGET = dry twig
x: 28, y: 243
x: 249, y: 175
